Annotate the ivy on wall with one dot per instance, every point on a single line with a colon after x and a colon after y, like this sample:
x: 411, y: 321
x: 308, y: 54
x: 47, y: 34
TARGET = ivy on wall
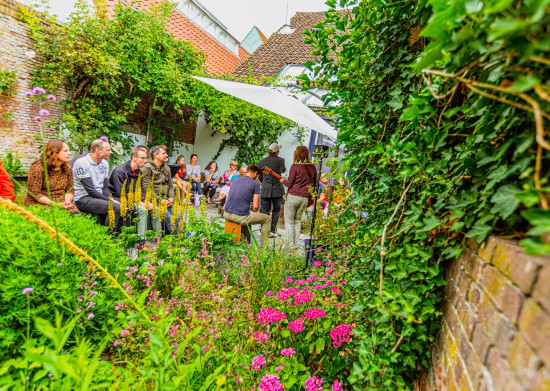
x: 442, y: 111
x: 108, y: 65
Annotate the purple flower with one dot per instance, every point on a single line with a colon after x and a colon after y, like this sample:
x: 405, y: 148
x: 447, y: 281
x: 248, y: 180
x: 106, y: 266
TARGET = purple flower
x: 115, y: 344
x: 280, y: 367
x: 37, y: 119
x: 27, y: 291
x: 90, y: 315
x: 38, y: 90
x: 59, y: 264
x: 124, y: 332
x: 44, y: 113
x: 50, y: 375
x: 28, y: 94
x: 104, y: 138
x: 51, y: 97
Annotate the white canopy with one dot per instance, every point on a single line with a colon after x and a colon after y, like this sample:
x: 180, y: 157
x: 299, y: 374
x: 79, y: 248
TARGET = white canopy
x: 275, y: 101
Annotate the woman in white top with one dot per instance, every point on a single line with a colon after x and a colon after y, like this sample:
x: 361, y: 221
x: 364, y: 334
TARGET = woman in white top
x: 194, y: 172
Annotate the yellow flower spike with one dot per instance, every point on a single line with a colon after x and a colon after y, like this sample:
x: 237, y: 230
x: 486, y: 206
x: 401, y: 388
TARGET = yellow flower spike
x: 137, y: 190
x: 111, y: 214
x: 130, y: 196
x: 72, y: 247
x: 123, y: 200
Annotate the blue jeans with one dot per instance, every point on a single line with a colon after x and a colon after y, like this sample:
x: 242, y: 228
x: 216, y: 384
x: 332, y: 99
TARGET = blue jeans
x: 196, y: 187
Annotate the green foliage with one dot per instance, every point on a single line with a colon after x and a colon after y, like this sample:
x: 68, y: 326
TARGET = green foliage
x: 7, y: 89
x: 435, y: 161
x: 110, y: 65
x: 12, y: 163
x: 30, y: 258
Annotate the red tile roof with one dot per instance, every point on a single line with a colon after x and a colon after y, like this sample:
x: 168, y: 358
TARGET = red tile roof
x: 281, y: 48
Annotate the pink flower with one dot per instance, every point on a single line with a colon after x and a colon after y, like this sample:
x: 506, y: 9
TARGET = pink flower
x: 270, y: 315
x: 288, y: 352
x: 303, y: 297
x: 289, y: 279
x: 124, y: 332
x: 314, y: 383
x: 51, y: 97
x: 336, y: 386
x: 317, y: 263
x: 28, y: 94
x: 340, y: 334
x: 269, y: 294
x: 280, y: 367
x: 44, y: 113
x: 335, y: 289
x: 314, y: 313
x: 37, y: 119
x: 296, y: 326
x: 271, y: 383
x: 261, y: 336
x: 104, y: 138
x: 27, y: 291
x: 258, y: 362
x: 38, y: 90
x: 115, y: 344
x: 286, y: 294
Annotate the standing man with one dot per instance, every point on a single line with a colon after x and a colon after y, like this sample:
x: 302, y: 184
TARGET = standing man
x: 272, y: 191
x: 91, y: 175
x: 129, y: 172
x: 246, y: 191
x: 157, y: 170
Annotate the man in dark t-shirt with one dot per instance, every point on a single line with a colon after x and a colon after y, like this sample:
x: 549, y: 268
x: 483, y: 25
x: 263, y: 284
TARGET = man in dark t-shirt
x: 246, y: 191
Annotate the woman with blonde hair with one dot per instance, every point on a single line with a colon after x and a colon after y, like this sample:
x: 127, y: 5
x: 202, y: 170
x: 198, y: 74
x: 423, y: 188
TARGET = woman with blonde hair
x: 54, y: 186
x: 301, y: 182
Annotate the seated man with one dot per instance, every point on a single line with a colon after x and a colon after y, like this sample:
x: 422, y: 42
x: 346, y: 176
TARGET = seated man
x: 224, y: 192
x: 130, y: 172
x: 157, y: 171
x: 244, y: 191
x: 91, y: 174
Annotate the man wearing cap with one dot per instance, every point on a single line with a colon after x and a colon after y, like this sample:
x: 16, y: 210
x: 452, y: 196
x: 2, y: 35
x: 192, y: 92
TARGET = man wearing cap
x: 272, y: 190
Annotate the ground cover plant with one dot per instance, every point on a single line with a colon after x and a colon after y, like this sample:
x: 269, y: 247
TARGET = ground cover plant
x: 443, y: 111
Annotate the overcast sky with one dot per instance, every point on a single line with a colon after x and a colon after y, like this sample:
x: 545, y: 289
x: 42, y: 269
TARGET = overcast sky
x: 238, y: 15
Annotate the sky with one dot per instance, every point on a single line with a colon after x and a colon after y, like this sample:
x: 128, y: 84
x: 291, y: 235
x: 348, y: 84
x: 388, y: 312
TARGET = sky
x: 239, y: 16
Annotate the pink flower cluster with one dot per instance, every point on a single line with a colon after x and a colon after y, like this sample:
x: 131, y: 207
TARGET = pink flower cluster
x: 286, y: 294
x: 296, y: 326
x: 336, y: 386
x: 303, y: 297
x: 340, y: 334
x: 258, y: 362
x: 314, y: 383
x: 288, y: 352
x: 336, y: 289
x: 314, y: 313
x: 271, y: 383
x: 261, y: 336
x: 270, y: 315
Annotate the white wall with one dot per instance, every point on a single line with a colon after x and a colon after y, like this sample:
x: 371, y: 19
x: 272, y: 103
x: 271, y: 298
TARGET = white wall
x: 207, y: 146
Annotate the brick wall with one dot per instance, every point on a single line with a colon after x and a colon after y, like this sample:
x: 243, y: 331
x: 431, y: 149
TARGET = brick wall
x: 20, y: 133
x: 496, y: 322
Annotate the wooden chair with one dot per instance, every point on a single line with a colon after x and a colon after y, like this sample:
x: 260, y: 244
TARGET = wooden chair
x: 238, y: 231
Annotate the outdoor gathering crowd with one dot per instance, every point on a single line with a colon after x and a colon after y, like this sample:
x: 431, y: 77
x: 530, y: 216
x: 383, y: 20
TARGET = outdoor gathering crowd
x: 246, y: 196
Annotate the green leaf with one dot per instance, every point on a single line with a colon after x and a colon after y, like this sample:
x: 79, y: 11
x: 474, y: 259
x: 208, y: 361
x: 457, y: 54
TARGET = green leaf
x: 479, y: 232
x: 320, y: 345
x: 535, y: 246
x: 496, y: 6
x: 505, y: 200
x: 539, y: 219
x: 524, y: 83
x: 503, y: 27
x: 409, y: 114
x: 529, y: 198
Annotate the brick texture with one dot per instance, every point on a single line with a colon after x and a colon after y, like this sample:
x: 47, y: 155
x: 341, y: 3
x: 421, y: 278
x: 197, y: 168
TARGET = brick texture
x: 20, y: 133
x: 495, y: 331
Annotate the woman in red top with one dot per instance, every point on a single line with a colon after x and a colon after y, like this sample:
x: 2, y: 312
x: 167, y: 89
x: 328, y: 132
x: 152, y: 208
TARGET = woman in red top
x: 181, y: 180
x: 6, y: 185
x: 301, y: 183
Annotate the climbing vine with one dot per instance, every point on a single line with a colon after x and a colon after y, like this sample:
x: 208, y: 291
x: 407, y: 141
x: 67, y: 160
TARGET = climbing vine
x: 7, y: 89
x: 128, y: 67
x: 442, y: 105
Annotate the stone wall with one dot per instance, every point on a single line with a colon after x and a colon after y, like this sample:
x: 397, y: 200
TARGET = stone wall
x: 496, y: 322
x: 20, y: 133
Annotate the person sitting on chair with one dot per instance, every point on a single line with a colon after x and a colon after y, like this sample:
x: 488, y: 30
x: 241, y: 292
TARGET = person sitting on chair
x: 181, y: 180
x: 91, y: 175
x: 194, y: 172
x: 246, y: 191
x: 212, y: 180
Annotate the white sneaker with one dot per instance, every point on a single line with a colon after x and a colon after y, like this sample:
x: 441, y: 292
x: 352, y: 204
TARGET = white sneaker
x: 273, y: 235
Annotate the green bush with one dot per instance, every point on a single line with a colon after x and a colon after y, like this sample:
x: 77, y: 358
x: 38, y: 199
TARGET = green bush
x: 30, y: 258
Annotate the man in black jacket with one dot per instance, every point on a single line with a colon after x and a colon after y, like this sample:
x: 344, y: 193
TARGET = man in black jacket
x: 272, y: 190
x: 130, y: 172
